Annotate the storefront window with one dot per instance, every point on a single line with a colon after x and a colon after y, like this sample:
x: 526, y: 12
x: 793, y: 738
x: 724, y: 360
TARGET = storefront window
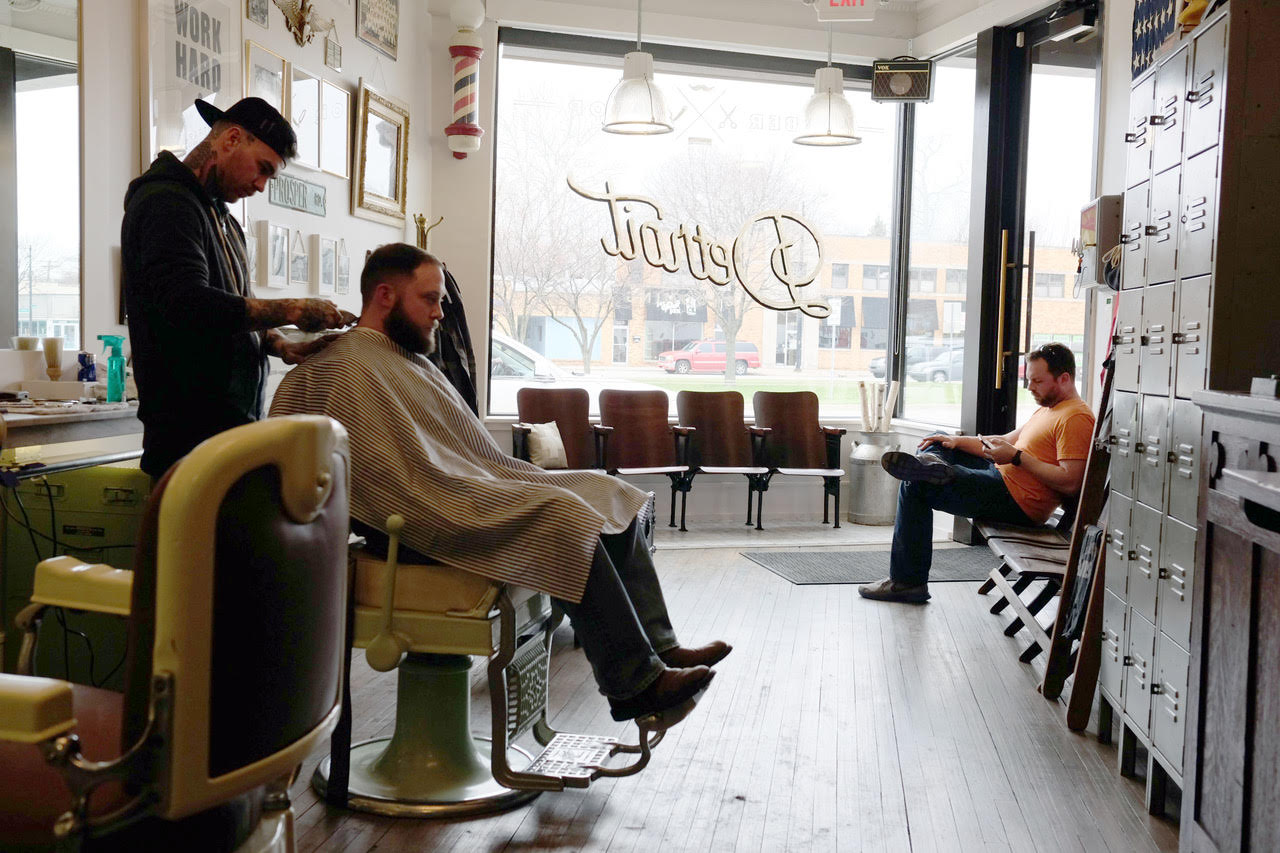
x: 606, y: 247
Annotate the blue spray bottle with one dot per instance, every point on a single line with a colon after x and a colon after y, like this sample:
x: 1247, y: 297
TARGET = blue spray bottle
x: 115, y: 367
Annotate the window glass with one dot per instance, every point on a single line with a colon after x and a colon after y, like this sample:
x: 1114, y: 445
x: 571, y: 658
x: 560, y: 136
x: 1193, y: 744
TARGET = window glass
x: 922, y: 280
x: 564, y: 287
x: 1050, y: 285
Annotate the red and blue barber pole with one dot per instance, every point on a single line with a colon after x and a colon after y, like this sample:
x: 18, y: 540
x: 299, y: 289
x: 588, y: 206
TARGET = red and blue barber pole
x: 466, y: 49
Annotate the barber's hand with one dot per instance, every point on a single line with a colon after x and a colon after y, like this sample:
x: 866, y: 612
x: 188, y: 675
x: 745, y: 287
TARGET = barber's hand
x: 314, y: 315
x: 948, y: 441
x: 296, y: 353
x: 998, y: 450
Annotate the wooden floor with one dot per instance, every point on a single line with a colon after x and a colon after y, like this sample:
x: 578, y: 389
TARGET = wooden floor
x: 837, y: 724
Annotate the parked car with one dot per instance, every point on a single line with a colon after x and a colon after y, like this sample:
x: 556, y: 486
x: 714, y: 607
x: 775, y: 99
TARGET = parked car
x: 947, y: 367
x: 709, y: 357
x: 513, y: 366
x: 916, y: 353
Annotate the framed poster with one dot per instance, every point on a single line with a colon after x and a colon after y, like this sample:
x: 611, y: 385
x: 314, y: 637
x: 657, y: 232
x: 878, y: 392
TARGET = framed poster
x: 299, y: 260
x: 251, y: 252
x: 343, y: 279
x: 304, y: 114
x: 382, y: 158
x: 275, y: 248
x: 335, y: 129
x: 182, y: 61
x: 265, y: 75
x: 378, y: 24
x: 325, y: 276
x: 256, y: 11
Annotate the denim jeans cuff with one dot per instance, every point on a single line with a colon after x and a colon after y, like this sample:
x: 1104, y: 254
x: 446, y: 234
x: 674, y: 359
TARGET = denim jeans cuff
x: 654, y: 669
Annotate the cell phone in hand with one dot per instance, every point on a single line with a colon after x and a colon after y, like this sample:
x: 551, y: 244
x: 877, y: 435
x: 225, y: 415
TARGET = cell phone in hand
x: 985, y: 442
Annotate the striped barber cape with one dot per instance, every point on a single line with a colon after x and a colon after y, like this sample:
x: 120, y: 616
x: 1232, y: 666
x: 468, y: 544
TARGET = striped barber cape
x: 417, y: 450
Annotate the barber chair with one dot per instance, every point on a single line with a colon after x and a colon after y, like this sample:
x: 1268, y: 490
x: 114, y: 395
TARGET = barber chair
x: 236, y: 608
x: 427, y: 619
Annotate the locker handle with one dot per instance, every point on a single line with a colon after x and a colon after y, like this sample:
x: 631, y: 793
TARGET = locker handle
x: 1156, y: 120
x: 1196, y: 94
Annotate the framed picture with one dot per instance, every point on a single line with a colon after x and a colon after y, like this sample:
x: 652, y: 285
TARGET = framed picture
x: 265, y: 75
x: 332, y: 53
x: 335, y: 129
x: 325, y: 275
x: 299, y: 261
x: 343, y: 280
x: 304, y: 113
x: 251, y: 252
x: 179, y: 64
x: 378, y: 24
x: 275, y: 242
x: 382, y: 158
x: 256, y: 11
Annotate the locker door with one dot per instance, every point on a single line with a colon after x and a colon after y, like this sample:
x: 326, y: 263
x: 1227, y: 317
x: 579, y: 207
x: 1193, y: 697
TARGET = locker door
x: 1127, y: 337
x: 1191, y: 340
x: 1114, y: 646
x: 1184, y: 470
x: 1204, y: 98
x: 1144, y: 569
x: 1166, y: 118
x: 1137, y: 208
x: 1169, y: 700
x: 1157, y: 337
x: 1177, y: 573
x: 1138, y: 137
x: 1153, y: 443
x: 1124, y: 440
x: 1140, y: 671
x: 1198, y: 222
x: 1162, y: 227
x: 1118, y: 544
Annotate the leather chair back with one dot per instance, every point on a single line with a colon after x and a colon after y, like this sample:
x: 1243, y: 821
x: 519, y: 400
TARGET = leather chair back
x: 569, y: 408
x: 720, y: 437
x: 795, y: 435
x: 641, y: 435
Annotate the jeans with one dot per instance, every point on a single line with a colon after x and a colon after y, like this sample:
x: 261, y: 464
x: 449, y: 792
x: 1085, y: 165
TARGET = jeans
x: 977, y: 490
x: 622, y: 621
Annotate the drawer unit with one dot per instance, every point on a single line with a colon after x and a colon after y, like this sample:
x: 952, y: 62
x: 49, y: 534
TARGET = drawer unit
x: 1162, y: 227
x: 1184, y: 460
x: 1157, y: 339
x: 1137, y: 207
x: 1128, y: 339
x: 1118, y: 544
x: 1153, y: 443
x: 1139, y: 670
x: 1198, y: 222
x: 1138, y: 137
x: 1166, y: 117
x: 1203, y: 101
x: 1191, y: 337
x: 1177, y: 573
x: 1144, y: 568
x: 1114, y: 645
x: 1169, y: 699
x: 1124, y: 444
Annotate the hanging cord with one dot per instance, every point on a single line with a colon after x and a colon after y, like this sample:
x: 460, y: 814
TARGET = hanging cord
x: 639, y: 5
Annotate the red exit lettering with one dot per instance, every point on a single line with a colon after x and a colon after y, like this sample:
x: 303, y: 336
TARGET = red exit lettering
x: 835, y: 4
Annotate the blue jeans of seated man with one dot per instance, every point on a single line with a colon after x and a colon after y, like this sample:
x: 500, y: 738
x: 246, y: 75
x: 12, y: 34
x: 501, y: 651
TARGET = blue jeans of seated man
x: 977, y: 490
x: 622, y: 620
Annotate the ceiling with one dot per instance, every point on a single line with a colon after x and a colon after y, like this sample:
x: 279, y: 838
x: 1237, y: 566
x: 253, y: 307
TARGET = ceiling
x: 48, y: 17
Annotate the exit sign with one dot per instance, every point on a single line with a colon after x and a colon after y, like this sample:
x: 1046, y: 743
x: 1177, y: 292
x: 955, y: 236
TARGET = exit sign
x: 846, y: 10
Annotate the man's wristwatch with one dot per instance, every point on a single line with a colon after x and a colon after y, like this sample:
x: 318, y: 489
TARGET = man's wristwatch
x: 1017, y: 458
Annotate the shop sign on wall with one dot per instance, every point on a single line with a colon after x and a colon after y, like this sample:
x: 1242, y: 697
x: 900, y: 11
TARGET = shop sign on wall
x: 773, y: 256
x: 296, y: 194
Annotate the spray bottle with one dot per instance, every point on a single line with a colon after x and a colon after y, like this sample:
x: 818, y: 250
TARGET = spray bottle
x: 115, y: 367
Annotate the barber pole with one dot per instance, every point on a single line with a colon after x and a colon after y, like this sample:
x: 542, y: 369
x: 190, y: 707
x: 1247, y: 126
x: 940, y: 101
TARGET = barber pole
x: 466, y: 49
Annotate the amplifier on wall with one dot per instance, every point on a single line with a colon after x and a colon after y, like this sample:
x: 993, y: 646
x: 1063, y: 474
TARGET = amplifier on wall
x: 903, y: 78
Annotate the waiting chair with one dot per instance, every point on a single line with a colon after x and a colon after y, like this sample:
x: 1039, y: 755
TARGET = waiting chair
x: 236, y: 609
x: 722, y: 443
x: 641, y: 441
x: 426, y: 619
x: 569, y: 408
x: 799, y: 446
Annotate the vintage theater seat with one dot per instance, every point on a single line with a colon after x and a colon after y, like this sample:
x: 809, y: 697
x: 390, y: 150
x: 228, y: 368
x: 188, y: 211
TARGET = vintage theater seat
x: 426, y: 619
x: 236, y: 608
x: 798, y: 445
x: 721, y: 442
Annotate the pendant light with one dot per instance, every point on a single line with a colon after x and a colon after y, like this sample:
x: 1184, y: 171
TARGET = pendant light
x: 828, y: 117
x: 636, y: 105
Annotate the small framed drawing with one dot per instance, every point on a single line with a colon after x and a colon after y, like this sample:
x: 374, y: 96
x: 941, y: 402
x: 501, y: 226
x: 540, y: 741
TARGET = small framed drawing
x: 382, y: 158
x: 332, y: 52
x: 335, y: 129
x: 304, y: 113
x: 251, y: 251
x: 265, y: 75
x: 256, y: 11
x: 324, y: 277
x: 275, y: 245
x: 299, y: 260
x: 343, y: 280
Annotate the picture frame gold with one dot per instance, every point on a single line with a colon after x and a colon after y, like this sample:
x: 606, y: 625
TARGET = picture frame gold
x: 304, y: 115
x: 380, y: 174
x: 266, y: 76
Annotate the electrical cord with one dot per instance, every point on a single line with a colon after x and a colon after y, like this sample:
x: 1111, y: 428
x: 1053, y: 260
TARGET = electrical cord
x: 46, y: 537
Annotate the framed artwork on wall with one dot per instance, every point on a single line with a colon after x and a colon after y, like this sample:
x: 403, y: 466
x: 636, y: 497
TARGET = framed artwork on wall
x: 332, y: 52
x: 343, y: 278
x: 325, y: 250
x: 335, y: 129
x: 180, y: 63
x: 265, y: 75
x: 275, y: 250
x: 299, y: 260
x: 378, y: 25
x: 256, y: 11
x: 251, y: 252
x: 304, y: 113
x: 382, y: 158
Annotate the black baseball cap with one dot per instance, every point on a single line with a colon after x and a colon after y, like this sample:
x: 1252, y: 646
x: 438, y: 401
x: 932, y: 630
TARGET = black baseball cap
x: 259, y: 118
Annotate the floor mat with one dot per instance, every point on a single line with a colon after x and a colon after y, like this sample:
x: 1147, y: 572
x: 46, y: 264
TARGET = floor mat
x: 970, y: 563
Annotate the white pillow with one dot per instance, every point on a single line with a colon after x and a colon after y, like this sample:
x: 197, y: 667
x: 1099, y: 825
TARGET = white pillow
x: 546, y: 449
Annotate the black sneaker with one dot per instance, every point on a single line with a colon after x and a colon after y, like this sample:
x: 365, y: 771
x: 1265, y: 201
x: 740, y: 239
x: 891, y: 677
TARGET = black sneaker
x: 926, y: 468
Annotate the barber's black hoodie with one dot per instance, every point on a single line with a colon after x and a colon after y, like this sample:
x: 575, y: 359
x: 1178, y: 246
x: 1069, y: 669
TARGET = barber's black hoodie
x: 199, y: 369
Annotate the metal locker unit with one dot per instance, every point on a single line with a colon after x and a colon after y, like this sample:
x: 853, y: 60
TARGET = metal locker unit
x: 1144, y: 568
x: 1119, y: 543
x: 1139, y: 670
x: 1190, y: 340
x: 1166, y: 119
x: 1137, y: 206
x: 1177, y: 574
x: 1115, y: 642
x: 1138, y: 137
x: 1185, y: 426
x: 1169, y: 701
x: 1157, y: 336
x: 1198, y: 223
x: 1162, y: 227
x: 1127, y: 339
x: 1153, y: 443
x: 1124, y: 441
x: 1205, y: 95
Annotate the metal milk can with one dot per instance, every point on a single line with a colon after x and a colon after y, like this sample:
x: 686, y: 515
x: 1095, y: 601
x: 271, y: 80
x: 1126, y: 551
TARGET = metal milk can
x: 873, y: 494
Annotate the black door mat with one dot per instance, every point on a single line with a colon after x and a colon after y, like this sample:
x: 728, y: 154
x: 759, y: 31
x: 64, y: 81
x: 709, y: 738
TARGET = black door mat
x: 970, y: 563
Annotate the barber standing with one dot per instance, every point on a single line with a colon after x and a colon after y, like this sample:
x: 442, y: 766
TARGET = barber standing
x: 200, y: 339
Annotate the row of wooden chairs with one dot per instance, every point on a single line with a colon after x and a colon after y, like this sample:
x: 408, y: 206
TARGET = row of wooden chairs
x: 634, y: 438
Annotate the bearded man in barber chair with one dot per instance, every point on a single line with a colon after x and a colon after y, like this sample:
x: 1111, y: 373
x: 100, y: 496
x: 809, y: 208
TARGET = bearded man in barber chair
x: 419, y: 451
x: 1017, y: 478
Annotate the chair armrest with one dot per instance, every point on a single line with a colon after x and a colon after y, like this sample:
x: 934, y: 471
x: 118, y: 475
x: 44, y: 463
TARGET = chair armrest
x: 830, y: 430
x: 601, y: 434
x: 34, y: 709
x: 71, y: 583
x: 832, y: 436
x: 682, y: 434
x: 520, y: 441
x: 759, y: 437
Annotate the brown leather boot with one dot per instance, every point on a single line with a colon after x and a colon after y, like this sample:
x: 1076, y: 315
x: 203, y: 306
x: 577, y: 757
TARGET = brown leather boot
x: 669, y: 690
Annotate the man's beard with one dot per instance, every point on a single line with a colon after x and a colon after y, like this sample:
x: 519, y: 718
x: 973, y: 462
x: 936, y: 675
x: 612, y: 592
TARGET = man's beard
x: 403, y: 331
x: 1049, y: 399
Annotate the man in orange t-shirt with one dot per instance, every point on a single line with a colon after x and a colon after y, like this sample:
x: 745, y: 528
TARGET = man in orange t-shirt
x: 1019, y: 478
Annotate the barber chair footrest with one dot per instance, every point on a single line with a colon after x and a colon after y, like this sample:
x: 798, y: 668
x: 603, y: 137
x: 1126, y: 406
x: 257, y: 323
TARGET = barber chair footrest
x: 574, y: 758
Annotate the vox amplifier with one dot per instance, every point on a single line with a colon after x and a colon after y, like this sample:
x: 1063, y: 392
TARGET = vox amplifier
x: 903, y: 78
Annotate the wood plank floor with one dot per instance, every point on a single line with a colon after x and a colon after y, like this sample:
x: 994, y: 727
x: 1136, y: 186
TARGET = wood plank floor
x: 836, y: 725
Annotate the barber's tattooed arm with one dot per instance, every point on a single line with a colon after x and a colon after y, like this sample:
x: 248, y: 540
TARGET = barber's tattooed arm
x: 295, y: 353
x: 310, y: 315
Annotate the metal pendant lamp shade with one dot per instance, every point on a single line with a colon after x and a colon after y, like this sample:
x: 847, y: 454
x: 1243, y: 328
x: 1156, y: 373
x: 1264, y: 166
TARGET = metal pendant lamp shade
x: 636, y: 106
x: 828, y: 117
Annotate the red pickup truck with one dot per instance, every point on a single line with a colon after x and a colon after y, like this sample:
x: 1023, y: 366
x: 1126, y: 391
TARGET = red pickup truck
x: 709, y: 357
